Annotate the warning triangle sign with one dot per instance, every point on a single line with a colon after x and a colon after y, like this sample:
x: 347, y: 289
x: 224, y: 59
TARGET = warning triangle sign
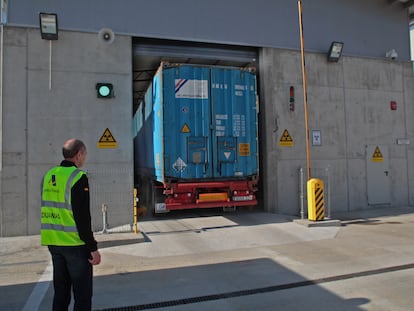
x: 286, y: 139
x: 377, y: 156
x: 107, y: 140
x: 185, y: 128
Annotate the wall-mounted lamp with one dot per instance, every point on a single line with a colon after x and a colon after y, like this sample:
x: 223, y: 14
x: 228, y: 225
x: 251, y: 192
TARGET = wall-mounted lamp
x: 48, y: 26
x: 335, y: 51
x: 49, y: 31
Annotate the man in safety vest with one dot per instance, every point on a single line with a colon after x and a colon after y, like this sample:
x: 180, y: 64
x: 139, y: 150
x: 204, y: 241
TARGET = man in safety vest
x: 66, y: 228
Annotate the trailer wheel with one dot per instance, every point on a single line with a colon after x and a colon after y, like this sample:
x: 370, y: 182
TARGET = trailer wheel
x: 158, y: 200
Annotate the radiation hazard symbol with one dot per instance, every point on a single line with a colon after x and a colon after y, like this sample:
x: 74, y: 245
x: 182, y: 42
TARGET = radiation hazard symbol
x: 286, y: 139
x: 107, y: 140
x: 377, y: 155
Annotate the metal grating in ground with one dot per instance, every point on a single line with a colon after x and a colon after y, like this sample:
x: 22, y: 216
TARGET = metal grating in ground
x: 262, y: 290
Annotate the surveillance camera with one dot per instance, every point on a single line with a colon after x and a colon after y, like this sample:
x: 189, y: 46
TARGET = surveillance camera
x: 392, y: 54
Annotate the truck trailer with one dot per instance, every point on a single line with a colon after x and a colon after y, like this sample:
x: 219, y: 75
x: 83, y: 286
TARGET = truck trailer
x: 196, y: 138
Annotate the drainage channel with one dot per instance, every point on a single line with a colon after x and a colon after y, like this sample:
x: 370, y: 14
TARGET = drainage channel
x: 261, y: 290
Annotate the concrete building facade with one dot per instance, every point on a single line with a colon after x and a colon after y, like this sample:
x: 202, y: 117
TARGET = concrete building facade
x: 349, y: 106
x: 38, y: 117
x: 358, y: 106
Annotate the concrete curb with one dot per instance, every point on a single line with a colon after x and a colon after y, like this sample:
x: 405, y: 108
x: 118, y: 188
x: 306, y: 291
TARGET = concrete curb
x: 323, y: 223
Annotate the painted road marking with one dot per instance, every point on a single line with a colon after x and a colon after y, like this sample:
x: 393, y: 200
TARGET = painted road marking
x: 39, y: 291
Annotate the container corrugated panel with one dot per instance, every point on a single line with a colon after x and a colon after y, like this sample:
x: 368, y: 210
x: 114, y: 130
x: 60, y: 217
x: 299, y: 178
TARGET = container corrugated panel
x: 204, y: 123
x: 144, y: 138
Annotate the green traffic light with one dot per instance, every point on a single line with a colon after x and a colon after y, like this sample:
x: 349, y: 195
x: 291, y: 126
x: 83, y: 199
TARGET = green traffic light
x: 104, y: 90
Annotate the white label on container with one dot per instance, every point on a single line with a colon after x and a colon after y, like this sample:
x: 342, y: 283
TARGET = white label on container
x: 221, y: 124
x: 187, y: 88
x: 179, y: 165
x: 239, y: 125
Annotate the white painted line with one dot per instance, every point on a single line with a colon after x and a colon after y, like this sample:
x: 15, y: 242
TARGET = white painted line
x: 39, y: 291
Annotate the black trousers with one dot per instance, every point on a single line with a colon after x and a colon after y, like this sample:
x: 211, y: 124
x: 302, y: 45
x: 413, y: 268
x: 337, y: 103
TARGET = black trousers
x: 71, y: 271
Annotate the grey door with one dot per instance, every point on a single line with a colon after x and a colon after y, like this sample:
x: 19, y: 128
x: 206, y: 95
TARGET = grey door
x: 378, y: 179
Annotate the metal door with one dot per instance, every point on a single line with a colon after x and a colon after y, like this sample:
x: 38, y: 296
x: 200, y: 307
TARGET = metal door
x: 378, y: 179
x: 234, y: 122
x: 186, y: 126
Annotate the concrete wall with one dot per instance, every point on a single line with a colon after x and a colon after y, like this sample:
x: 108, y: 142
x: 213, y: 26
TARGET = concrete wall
x: 37, y: 120
x: 349, y: 102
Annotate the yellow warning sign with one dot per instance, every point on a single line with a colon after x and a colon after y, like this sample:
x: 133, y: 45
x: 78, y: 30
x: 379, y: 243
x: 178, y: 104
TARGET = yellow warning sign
x: 377, y: 156
x: 185, y: 128
x: 244, y: 149
x: 286, y: 139
x: 107, y: 140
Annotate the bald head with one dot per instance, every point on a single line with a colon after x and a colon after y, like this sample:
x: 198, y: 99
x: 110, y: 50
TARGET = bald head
x: 71, y: 147
x: 74, y: 150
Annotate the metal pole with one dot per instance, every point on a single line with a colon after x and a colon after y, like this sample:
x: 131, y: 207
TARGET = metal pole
x: 104, y: 218
x: 50, y: 65
x: 328, y: 193
x: 305, y: 97
x: 136, y: 211
x: 301, y: 193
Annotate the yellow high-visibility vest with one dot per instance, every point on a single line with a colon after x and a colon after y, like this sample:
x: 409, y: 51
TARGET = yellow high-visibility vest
x: 58, y: 225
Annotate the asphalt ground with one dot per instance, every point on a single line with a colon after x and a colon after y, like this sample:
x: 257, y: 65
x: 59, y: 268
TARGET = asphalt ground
x: 246, y: 260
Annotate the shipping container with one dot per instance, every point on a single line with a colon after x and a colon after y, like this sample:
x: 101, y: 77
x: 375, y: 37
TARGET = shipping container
x: 196, y: 139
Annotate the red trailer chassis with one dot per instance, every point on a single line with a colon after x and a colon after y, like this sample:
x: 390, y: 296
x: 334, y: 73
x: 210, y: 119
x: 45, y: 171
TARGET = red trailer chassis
x: 207, y: 194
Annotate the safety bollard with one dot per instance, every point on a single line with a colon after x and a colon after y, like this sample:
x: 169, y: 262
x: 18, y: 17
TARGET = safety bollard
x: 316, y: 200
x: 136, y: 210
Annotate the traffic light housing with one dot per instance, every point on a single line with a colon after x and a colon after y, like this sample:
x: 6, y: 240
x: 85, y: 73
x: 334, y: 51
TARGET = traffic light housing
x: 104, y: 90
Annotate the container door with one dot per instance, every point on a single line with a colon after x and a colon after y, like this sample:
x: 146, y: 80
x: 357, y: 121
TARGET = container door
x: 378, y: 180
x: 187, y: 122
x: 234, y: 123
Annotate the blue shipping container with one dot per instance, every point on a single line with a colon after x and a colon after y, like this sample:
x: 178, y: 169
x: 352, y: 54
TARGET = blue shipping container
x: 198, y: 123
